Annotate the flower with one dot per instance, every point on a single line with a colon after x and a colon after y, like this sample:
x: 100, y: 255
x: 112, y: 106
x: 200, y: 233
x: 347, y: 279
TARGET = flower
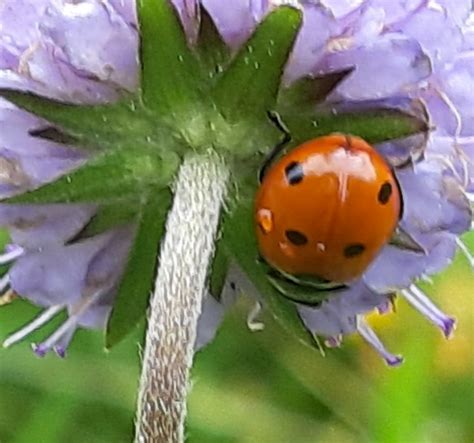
x: 55, y: 267
x: 393, y: 54
x: 45, y: 50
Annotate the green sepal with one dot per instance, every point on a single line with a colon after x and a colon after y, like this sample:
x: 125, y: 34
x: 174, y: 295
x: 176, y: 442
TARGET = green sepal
x: 308, y: 91
x: 86, y: 126
x: 219, y: 270
x: 50, y: 133
x: 375, y: 125
x: 137, y: 282
x: 109, y: 176
x: 239, y: 242
x: 213, y: 52
x: 169, y: 80
x: 249, y: 86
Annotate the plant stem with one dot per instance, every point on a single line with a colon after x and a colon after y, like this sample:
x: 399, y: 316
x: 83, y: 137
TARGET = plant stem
x: 186, y: 252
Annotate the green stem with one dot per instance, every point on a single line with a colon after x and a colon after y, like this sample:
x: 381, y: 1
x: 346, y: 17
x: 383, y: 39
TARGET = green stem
x: 175, y: 306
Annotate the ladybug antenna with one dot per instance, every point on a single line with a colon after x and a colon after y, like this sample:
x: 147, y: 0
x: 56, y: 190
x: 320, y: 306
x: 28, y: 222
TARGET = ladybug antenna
x: 277, y: 121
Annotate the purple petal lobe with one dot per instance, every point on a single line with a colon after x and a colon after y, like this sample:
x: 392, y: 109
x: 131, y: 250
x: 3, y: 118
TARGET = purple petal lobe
x: 337, y: 315
x: 56, y: 274
x: 406, y: 66
x: 433, y: 200
x: 108, y: 51
x: 107, y: 265
x: 236, y: 19
x: 37, y: 226
x: 396, y: 268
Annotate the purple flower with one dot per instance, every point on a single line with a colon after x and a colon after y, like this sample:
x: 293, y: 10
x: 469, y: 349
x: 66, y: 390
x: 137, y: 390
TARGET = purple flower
x: 44, y: 49
x: 394, y: 54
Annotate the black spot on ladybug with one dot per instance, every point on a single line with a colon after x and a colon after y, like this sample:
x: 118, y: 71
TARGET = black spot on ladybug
x: 354, y: 250
x: 385, y: 192
x: 294, y: 173
x: 296, y: 237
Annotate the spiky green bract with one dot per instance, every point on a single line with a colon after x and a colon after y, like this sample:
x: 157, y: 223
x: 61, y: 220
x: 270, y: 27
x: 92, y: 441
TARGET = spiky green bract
x: 239, y: 241
x: 170, y: 81
x: 137, y: 283
x: 111, y: 175
x: 95, y: 127
x: 214, y: 55
x: 191, y: 98
x: 308, y: 91
x: 249, y: 88
x: 375, y: 125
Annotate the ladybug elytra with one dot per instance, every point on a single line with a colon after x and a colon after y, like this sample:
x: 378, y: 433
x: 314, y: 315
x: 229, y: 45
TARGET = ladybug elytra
x: 326, y: 208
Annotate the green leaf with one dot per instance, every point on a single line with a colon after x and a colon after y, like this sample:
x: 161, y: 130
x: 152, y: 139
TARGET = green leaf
x: 250, y: 85
x: 169, y: 82
x: 239, y: 241
x: 213, y: 52
x: 220, y: 267
x: 375, y: 125
x: 308, y: 91
x: 108, y: 176
x: 137, y: 282
x: 90, y: 126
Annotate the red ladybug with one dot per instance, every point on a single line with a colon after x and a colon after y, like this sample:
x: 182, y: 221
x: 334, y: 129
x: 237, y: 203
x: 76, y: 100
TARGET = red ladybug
x: 326, y: 208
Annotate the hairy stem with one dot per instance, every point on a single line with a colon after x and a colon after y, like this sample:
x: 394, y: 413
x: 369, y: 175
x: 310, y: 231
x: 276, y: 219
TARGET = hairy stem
x: 175, y: 306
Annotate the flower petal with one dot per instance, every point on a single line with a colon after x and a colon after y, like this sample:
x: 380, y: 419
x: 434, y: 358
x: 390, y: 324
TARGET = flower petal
x: 395, y: 268
x: 107, y: 51
x: 56, y: 274
x: 337, y: 315
x: 433, y: 200
x: 236, y: 19
x: 406, y: 66
x: 37, y: 226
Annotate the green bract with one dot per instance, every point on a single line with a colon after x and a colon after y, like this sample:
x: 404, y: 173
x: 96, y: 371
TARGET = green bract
x: 195, y: 98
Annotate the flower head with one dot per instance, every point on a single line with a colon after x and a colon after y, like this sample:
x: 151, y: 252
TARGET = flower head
x: 60, y: 260
x: 394, y: 55
x: 56, y: 58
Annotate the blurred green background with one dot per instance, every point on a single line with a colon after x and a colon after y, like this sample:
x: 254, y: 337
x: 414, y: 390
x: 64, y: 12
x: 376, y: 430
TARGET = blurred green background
x: 259, y: 387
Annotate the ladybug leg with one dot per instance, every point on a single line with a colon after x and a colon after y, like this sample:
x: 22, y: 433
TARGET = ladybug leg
x: 276, y: 120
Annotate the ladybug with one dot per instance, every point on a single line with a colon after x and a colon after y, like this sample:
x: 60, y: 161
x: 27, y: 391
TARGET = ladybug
x: 326, y: 208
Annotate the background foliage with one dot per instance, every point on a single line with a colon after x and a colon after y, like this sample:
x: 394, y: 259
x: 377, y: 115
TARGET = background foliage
x: 259, y: 387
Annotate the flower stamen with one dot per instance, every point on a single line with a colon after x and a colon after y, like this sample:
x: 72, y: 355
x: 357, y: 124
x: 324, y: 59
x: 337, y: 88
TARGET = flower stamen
x: 252, y: 319
x: 368, y: 334
x: 425, y: 306
x: 59, y: 337
x: 63, y: 343
x: 457, y: 116
x: 39, y: 321
x: 463, y: 248
x: 12, y: 252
